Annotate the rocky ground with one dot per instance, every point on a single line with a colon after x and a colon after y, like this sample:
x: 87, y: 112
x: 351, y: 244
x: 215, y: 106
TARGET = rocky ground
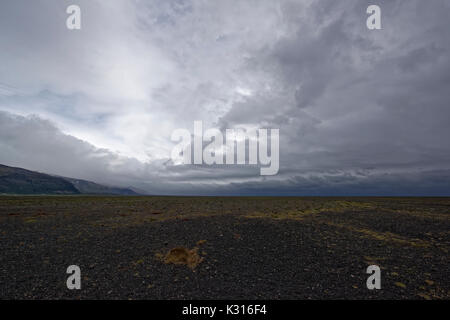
x: 225, y: 248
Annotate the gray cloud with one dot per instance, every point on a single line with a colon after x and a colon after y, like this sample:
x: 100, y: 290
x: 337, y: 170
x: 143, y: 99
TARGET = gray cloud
x: 359, y: 111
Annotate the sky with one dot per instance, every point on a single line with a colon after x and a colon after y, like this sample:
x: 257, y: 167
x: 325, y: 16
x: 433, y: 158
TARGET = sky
x: 359, y: 111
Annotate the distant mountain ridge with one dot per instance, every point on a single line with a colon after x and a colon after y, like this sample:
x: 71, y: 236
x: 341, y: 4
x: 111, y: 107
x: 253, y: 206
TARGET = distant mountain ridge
x: 88, y: 187
x: 21, y: 181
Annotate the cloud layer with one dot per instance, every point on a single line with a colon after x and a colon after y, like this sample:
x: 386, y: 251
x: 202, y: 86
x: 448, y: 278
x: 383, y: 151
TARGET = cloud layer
x: 359, y: 111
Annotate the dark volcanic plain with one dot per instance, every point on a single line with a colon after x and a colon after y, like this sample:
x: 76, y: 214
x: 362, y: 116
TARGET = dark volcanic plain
x: 247, y: 248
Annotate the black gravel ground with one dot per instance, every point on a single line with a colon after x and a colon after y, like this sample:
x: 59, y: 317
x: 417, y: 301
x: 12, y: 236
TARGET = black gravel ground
x: 255, y: 248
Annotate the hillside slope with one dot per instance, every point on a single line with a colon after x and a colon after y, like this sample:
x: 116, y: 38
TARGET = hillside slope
x: 22, y: 181
x: 88, y: 187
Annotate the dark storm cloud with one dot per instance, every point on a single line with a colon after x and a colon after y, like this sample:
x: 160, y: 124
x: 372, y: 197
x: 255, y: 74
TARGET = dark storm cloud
x: 351, y: 99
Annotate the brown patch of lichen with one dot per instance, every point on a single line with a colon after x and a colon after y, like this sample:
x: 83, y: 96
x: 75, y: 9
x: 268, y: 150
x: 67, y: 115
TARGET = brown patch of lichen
x: 183, y: 256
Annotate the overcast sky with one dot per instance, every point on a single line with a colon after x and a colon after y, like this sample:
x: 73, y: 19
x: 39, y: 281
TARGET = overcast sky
x: 360, y: 112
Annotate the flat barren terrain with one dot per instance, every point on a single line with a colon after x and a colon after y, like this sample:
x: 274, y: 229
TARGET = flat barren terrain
x: 224, y: 248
